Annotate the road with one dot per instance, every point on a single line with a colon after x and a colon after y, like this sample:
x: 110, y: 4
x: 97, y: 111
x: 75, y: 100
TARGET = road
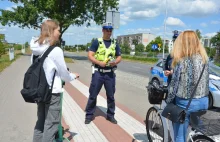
x: 141, y: 69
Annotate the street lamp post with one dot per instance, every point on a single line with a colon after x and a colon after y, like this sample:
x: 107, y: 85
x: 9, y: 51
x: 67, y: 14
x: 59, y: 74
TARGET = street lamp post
x: 113, y: 17
x: 164, y: 30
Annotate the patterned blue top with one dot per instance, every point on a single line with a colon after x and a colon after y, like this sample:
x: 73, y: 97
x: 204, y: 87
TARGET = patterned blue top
x: 185, y: 76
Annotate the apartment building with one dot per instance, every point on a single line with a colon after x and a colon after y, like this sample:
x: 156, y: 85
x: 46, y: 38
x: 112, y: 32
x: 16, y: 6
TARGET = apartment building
x: 144, y: 38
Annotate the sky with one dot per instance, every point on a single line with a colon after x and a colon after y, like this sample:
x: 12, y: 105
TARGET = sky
x: 137, y: 16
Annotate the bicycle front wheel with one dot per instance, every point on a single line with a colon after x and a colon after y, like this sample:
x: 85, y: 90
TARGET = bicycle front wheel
x: 154, y: 126
x: 201, y: 138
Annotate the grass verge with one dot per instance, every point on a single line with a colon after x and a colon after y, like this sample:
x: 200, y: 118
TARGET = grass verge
x: 5, y: 62
x: 139, y: 59
x: 68, y: 60
x: 217, y: 64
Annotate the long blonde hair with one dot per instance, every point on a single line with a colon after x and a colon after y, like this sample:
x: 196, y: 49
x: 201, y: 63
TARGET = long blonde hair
x: 186, y: 45
x: 47, y: 30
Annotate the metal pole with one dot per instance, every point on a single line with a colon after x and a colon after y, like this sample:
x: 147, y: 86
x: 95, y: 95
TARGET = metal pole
x: 77, y: 45
x: 164, y: 30
x: 113, y: 24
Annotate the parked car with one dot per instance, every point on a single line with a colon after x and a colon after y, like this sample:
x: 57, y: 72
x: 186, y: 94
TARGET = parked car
x: 158, y: 76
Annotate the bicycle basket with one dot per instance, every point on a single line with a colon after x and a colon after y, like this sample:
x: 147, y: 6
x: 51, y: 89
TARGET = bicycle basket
x: 155, y: 95
x: 206, y: 122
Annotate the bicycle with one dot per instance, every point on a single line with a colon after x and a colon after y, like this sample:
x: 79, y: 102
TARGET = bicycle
x: 160, y: 129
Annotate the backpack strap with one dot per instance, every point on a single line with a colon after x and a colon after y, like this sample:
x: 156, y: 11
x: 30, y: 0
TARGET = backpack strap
x: 53, y: 81
x: 43, y: 57
x: 46, y: 53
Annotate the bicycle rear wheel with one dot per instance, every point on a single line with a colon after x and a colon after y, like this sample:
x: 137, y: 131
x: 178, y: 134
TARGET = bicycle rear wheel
x: 201, y: 138
x: 154, y: 126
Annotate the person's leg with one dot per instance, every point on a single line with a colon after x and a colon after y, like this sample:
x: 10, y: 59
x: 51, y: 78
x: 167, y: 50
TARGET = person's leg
x: 180, y: 130
x: 175, y: 129
x: 94, y: 89
x: 52, y: 113
x: 196, y: 105
x: 109, y: 85
x: 39, y: 127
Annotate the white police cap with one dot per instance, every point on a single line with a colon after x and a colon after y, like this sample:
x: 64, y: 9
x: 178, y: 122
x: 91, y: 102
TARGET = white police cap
x: 107, y: 25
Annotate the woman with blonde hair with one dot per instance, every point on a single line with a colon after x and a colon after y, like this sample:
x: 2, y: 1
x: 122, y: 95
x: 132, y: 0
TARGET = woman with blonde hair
x: 189, y: 57
x: 55, y: 69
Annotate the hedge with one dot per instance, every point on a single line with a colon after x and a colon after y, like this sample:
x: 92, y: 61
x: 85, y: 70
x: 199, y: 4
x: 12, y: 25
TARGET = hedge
x: 138, y: 58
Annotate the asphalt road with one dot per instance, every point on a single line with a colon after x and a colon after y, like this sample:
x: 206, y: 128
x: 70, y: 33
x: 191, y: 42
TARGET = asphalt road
x: 141, y: 69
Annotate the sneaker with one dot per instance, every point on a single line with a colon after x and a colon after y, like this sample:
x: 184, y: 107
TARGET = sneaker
x: 87, y: 121
x: 112, y: 119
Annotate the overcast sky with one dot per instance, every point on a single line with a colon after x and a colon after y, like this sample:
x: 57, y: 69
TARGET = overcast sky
x: 138, y: 16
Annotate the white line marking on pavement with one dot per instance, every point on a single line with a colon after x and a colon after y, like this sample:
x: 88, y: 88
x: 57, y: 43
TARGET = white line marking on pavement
x: 74, y: 117
x: 125, y: 121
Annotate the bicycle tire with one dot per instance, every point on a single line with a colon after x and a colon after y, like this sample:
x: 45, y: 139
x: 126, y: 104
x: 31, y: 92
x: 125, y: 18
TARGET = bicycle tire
x: 158, y: 130
x: 201, y: 138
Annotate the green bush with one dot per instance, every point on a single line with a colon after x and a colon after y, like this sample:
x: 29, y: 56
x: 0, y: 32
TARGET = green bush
x: 73, y: 49
x: 17, y: 47
x: 150, y: 54
x: 138, y: 58
x: 139, y: 54
x: 139, y: 48
x: 2, y: 49
x: 66, y: 48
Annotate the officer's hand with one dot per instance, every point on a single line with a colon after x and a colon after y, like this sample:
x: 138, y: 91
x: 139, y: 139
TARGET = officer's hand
x: 167, y: 73
x: 112, y: 64
x: 102, y: 64
x: 76, y: 74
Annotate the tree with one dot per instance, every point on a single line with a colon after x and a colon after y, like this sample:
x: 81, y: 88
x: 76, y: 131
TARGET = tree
x: 210, y: 51
x: 26, y: 45
x: 135, y: 41
x: 17, y: 46
x: 157, y: 41
x: 139, y: 48
x: 216, y: 42
x: 148, y: 47
x: 125, y: 48
x: 2, y: 47
x: 198, y: 33
x: 30, y: 13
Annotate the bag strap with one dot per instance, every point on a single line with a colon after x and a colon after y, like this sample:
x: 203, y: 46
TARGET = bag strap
x: 193, y: 92
x: 43, y: 57
x: 53, y: 81
x: 46, y: 53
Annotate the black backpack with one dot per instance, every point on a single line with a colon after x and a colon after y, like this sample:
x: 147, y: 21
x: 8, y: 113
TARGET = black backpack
x: 35, y: 86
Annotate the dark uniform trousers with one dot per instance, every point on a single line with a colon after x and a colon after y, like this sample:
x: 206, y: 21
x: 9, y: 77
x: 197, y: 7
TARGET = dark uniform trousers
x: 98, y: 79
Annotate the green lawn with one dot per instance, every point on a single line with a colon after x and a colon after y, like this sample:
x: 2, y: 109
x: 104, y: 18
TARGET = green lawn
x: 5, y: 62
x: 68, y: 60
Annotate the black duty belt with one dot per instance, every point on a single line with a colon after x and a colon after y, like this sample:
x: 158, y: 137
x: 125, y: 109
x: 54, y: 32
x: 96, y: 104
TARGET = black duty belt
x: 105, y: 70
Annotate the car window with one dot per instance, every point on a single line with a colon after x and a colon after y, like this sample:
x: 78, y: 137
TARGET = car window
x: 160, y: 64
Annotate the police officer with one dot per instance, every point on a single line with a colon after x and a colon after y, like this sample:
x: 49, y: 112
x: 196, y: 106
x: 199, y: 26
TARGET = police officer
x: 168, y: 69
x: 168, y: 63
x: 104, y: 54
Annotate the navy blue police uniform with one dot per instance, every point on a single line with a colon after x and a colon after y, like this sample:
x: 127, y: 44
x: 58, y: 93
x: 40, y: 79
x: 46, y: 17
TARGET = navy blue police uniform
x: 168, y: 66
x: 106, y: 76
